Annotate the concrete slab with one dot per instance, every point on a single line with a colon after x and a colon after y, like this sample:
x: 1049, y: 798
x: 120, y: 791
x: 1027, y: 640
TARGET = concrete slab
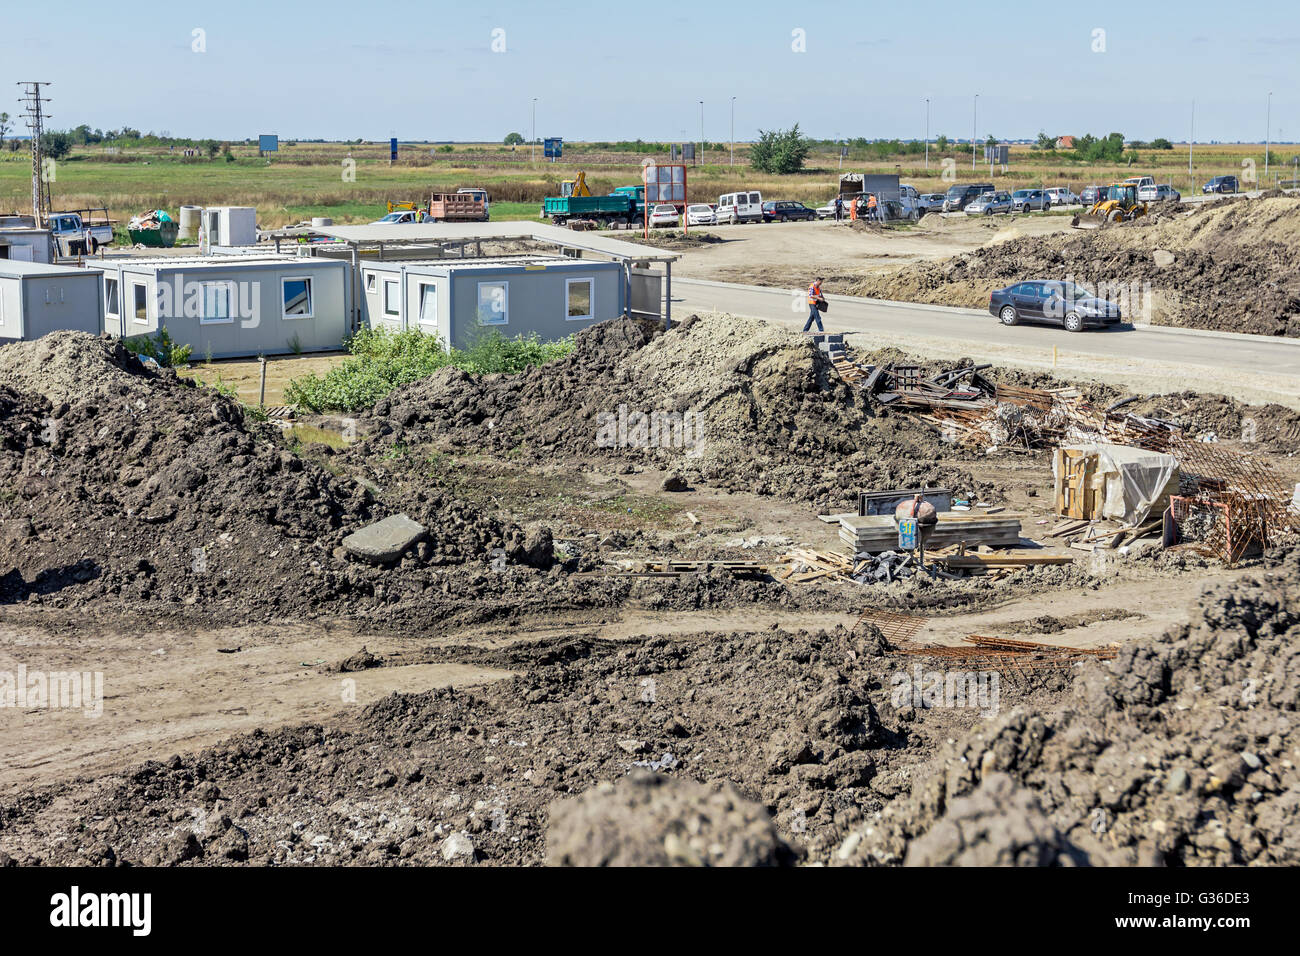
x: 385, y: 541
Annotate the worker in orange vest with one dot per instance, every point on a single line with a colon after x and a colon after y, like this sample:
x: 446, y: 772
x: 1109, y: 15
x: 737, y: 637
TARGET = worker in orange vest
x: 814, y: 314
x: 871, y: 205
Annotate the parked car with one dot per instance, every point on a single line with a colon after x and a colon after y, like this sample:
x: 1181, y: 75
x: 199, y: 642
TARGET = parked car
x: 1051, y: 302
x: 960, y: 196
x: 1062, y: 196
x: 1090, y: 195
x: 664, y: 214
x: 1167, y: 193
x: 989, y: 203
x: 827, y: 209
x: 741, y: 207
x: 700, y: 214
x: 931, y: 202
x: 1146, y: 187
x: 405, y: 216
x: 1220, y: 184
x: 785, y: 210
x: 1024, y: 200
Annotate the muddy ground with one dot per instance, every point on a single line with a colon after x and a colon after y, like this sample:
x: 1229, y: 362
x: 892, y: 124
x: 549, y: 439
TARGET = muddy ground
x: 156, y: 533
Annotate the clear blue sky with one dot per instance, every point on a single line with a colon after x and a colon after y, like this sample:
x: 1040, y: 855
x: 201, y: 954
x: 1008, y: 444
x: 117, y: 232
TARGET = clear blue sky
x: 621, y: 70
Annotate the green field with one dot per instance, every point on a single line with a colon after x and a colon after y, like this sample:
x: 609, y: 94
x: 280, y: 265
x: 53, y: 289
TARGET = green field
x: 312, y: 179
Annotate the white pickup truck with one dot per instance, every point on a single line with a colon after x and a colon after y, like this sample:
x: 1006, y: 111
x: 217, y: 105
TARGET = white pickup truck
x: 79, y: 233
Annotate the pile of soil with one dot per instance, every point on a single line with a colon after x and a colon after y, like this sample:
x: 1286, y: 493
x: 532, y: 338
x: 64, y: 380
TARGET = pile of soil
x: 138, y: 487
x: 766, y: 413
x: 677, y: 240
x: 1226, y: 265
x: 800, y: 721
x: 1182, y: 751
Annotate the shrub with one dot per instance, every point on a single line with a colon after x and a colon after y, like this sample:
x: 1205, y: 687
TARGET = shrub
x: 160, y: 348
x: 779, y: 151
x: 381, y: 361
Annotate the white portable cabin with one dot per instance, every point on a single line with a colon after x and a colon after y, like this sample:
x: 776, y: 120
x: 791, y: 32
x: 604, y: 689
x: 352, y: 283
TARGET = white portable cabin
x: 461, y: 299
x: 22, y: 240
x: 231, y: 306
x: 37, y: 298
x: 228, y: 225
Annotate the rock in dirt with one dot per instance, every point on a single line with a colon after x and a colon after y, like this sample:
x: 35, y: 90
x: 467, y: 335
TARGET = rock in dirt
x: 384, y: 542
x: 648, y: 819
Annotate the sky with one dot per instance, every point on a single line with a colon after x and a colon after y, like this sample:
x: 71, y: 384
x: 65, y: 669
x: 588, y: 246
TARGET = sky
x: 429, y: 71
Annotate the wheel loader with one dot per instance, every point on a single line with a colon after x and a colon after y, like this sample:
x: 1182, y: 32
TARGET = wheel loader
x: 1117, y: 203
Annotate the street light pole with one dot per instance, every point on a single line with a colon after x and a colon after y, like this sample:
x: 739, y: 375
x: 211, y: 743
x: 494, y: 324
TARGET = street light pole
x: 1191, y: 142
x: 974, y: 122
x: 701, y: 158
x: 1268, y: 137
x: 532, y: 150
x: 733, y: 131
x: 927, y: 132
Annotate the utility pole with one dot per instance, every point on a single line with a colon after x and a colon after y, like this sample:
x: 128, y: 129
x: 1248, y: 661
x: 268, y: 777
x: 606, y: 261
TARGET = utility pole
x: 701, y: 156
x: 733, y: 131
x: 1268, y: 137
x: 1191, y: 141
x: 974, y: 122
x: 927, y: 132
x: 36, y: 117
x: 532, y: 154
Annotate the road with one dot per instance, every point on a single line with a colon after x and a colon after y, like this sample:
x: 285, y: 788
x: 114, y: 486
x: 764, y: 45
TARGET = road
x: 1250, y: 368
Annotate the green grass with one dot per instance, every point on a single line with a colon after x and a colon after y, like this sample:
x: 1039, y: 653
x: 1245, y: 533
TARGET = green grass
x: 382, y: 361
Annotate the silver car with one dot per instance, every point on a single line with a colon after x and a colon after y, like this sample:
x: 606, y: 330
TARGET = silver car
x: 1167, y: 193
x: 986, y: 204
x: 1023, y: 200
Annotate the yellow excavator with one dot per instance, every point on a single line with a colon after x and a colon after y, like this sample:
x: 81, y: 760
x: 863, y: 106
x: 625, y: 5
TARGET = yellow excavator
x: 1118, y: 202
x: 575, y: 187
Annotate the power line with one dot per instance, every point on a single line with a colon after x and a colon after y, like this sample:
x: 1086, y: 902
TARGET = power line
x: 36, y: 116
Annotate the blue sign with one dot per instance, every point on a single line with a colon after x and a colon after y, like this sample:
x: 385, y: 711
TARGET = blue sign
x: 392, y: 150
x: 907, y: 534
x: 553, y: 147
x: 268, y: 143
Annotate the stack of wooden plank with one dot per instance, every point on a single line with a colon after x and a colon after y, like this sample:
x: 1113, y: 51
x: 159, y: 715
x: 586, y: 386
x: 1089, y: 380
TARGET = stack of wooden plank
x: 876, y: 533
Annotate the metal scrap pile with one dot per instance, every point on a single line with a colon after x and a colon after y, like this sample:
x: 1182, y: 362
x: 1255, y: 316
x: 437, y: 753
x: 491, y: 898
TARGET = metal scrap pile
x: 969, y: 408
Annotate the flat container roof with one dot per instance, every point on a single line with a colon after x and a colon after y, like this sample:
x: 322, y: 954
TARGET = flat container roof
x: 485, y: 262
x: 187, y: 263
x: 17, y: 269
x: 398, y: 233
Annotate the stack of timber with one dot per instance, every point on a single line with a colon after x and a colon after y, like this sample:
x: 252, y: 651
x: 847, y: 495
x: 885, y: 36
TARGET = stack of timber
x: 874, y: 534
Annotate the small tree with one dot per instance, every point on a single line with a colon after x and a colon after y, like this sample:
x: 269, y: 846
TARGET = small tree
x: 779, y: 151
x: 941, y: 142
x: 1161, y: 143
x: 514, y: 139
x: 1045, y: 141
x: 5, y: 127
x: 56, y: 144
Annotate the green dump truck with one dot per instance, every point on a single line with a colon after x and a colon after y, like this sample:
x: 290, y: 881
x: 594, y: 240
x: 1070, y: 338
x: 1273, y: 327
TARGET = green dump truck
x: 603, y: 209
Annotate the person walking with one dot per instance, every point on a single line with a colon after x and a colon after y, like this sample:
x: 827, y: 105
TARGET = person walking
x: 839, y: 208
x: 814, y: 313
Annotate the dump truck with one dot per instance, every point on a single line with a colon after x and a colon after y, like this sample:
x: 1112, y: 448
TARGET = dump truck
x: 457, y: 207
x: 637, y: 193
x: 618, y: 207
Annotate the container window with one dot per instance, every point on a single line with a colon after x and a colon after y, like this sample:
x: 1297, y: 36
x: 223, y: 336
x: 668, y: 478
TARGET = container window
x: 296, y: 297
x: 428, y: 303
x: 112, y: 307
x: 493, y: 303
x: 140, y: 301
x: 578, y: 294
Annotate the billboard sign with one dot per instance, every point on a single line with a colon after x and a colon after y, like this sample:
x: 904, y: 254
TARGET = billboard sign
x: 553, y: 147
x: 664, y: 183
x: 268, y: 143
x: 392, y: 150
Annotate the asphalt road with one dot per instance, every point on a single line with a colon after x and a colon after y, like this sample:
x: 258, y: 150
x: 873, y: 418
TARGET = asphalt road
x: 1251, y: 368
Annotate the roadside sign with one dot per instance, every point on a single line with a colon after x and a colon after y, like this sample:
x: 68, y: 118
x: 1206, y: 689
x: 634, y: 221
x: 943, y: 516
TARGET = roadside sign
x: 553, y: 147
x: 392, y: 150
x: 688, y: 150
x: 268, y: 143
x: 664, y: 183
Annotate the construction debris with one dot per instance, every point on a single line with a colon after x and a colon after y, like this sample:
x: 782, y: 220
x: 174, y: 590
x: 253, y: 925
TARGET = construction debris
x: 874, y: 534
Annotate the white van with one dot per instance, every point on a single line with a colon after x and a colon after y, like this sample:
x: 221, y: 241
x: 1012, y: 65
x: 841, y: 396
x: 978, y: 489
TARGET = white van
x: 740, y: 207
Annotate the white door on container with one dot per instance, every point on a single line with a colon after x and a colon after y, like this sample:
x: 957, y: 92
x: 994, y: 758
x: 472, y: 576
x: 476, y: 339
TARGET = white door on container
x: 20, y: 253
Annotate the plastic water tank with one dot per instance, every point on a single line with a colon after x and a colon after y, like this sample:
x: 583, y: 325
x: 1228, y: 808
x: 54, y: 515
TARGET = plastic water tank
x: 321, y: 222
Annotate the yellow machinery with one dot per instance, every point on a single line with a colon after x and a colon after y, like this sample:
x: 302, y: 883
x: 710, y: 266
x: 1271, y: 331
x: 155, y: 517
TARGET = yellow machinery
x: 1118, y: 203
x: 403, y: 206
x: 575, y: 187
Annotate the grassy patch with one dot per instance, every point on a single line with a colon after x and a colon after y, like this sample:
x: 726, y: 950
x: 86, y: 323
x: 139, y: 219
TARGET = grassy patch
x: 382, y: 361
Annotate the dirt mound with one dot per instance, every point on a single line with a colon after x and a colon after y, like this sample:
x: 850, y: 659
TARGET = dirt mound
x: 728, y: 402
x: 786, y: 717
x: 1226, y: 265
x: 1179, y: 752
x: 648, y: 819
x: 74, y: 366
x: 141, y: 489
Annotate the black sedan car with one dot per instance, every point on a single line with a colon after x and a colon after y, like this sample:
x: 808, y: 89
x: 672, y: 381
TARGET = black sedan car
x: 785, y: 210
x: 1220, y: 184
x: 1053, y: 303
